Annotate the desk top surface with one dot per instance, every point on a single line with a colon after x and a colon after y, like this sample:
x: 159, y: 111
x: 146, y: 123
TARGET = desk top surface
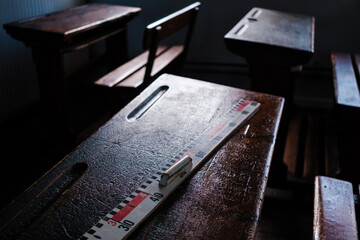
x: 221, y: 200
x: 347, y: 93
x: 71, y: 22
x: 273, y: 29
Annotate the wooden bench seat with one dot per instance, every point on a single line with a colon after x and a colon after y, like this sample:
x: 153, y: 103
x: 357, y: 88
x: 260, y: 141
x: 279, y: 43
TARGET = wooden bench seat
x: 132, y: 73
x: 141, y: 70
x: 334, y: 210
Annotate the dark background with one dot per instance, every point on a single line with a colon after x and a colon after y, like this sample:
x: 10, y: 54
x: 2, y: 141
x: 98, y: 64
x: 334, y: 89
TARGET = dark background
x: 335, y: 30
x: 23, y: 156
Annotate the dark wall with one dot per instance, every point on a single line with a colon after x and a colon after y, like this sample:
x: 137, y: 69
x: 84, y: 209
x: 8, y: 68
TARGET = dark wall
x: 336, y: 29
x: 18, y: 79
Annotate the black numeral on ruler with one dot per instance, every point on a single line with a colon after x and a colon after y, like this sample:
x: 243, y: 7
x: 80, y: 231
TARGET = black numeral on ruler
x: 124, y: 218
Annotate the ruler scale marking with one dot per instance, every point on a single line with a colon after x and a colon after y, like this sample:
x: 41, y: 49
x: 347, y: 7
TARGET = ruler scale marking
x: 121, y: 221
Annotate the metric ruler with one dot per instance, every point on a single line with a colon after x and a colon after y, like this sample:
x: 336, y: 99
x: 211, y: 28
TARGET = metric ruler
x: 134, y: 209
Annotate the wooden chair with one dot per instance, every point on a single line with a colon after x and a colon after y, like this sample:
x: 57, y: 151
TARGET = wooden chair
x: 347, y: 112
x: 334, y: 210
x: 346, y: 80
x: 141, y: 70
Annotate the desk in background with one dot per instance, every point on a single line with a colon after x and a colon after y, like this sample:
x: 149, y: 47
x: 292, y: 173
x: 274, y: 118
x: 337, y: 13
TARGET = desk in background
x: 52, y: 35
x: 272, y: 42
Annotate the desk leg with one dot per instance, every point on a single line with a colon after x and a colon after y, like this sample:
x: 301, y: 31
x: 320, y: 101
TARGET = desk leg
x: 117, y: 49
x: 53, y: 95
x: 275, y: 80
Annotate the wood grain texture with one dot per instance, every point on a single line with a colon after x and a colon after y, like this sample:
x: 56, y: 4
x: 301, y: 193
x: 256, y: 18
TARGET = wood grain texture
x: 334, y: 211
x: 222, y: 200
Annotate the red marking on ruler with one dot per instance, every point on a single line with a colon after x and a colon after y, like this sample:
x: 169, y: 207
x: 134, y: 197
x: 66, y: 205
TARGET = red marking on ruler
x: 120, y: 215
x: 242, y: 106
x: 216, y: 129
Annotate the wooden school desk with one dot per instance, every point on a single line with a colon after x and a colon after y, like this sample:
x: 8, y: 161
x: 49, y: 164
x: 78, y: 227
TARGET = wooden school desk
x: 222, y: 200
x: 272, y: 42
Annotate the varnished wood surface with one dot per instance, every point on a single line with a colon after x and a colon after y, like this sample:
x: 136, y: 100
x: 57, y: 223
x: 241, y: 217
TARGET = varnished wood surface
x: 222, y: 200
x: 64, y: 26
x: 346, y: 87
x: 334, y: 211
x: 273, y: 37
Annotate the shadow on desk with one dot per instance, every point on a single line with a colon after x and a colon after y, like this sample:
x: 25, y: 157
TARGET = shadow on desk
x: 26, y: 153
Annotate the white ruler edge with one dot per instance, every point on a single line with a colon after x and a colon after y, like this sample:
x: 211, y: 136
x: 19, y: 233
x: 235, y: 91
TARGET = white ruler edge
x: 131, y: 212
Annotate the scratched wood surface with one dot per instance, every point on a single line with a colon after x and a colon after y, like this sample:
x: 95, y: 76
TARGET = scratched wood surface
x: 334, y: 210
x: 71, y: 24
x: 222, y: 200
x: 273, y: 37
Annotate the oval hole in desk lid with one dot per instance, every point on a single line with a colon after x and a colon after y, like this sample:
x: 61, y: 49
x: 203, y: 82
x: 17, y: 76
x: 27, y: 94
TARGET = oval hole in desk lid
x: 147, y: 103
